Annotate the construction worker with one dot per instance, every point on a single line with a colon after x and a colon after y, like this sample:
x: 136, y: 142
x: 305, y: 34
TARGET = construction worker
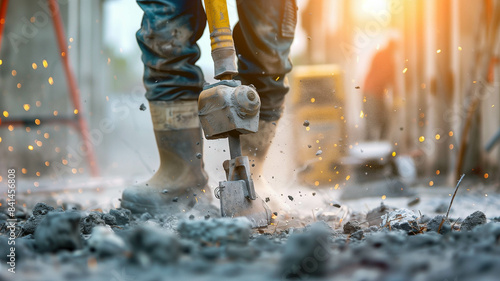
x: 167, y: 38
x: 378, y: 81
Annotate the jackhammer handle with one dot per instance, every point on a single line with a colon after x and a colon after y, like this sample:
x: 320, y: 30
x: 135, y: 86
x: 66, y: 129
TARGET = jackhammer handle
x: 221, y: 39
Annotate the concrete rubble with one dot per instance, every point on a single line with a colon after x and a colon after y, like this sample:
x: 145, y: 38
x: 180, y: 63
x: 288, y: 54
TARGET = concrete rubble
x: 116, y: 245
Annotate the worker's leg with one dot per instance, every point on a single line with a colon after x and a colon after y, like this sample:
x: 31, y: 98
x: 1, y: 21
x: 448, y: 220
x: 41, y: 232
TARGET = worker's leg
x: 263, y: 38
x: 167, y: 38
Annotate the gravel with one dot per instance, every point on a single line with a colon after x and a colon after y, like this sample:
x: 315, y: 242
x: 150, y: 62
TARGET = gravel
x: 155, y: 248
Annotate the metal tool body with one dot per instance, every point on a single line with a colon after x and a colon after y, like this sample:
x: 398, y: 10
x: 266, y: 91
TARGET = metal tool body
x: 226, y: 110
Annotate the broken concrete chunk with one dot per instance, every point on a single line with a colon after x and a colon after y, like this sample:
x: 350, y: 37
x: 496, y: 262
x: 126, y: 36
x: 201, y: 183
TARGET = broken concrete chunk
x: 105, y: 243
x: 90, y: 221
x: 374, y: 217
x: 219, y: 231
x: 122, y: 215
x: 473, y: 220
x: 58, y: 231
x: 433, y: 225
x: 41, y: 209
x: 109, y: 219
x: 358, y: 235
x: 31, y: 224
x: 402, y: 219
x: 304, y: 249
x: 351, y: 226
x: 152, y: 245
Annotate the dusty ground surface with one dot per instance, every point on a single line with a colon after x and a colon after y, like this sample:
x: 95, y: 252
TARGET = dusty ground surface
x: 332, y: 239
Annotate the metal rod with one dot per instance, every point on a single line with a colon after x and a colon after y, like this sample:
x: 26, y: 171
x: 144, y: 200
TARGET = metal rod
x: 234, y: 145
x: 72, y: 84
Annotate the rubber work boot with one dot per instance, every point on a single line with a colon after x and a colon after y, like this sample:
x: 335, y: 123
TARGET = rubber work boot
x: 256, y: 146
x: 181, y: 180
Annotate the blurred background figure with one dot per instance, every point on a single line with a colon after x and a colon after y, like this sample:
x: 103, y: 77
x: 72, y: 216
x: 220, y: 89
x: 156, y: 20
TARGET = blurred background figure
x: 379, y: 82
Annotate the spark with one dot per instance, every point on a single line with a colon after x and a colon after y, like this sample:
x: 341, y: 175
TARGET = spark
x: 316, y: 183
x: 438, y: 136
x: 46, y: 135
x: 450, y: 134
x: 75, y: 111
x: 438, y: 51
x: 14, y: 73
x: 313, y: 100
x: 55, y: 112
x: 45, y: 64
x: 384, y: 197
x: 362, y: 114
x: 394, y: 154
x: 19, y: 85
x: 47, y: 163
x: 11, y: 128
x: 1, y: 62
x: 459, y: 48
x: 5, y: 113
x: 26, y: 107
x: 34, y: 65
x: 37, y: 174
x: 431, y: 183
x: 486, y: 175
x: 451, y: 146
x: 438, y: 172
x: 11, y: 148
x: 0, y: 139
x: 71, y: 39
x: 406, y: 69
x: 37, y: 121
x: 348, y: 177
x: 30, y: 147
x: 51, y: 80
x: 421, y: 139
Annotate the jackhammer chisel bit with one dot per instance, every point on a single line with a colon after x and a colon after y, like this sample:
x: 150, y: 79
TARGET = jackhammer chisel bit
x: 228, y: 109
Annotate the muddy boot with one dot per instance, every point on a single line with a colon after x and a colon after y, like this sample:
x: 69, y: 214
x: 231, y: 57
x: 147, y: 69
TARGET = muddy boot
x: 180, y: 182
x: 256, y: 146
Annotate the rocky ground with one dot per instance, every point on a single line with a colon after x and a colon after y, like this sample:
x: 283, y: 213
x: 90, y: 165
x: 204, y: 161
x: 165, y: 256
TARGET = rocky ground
x: 385, y: 243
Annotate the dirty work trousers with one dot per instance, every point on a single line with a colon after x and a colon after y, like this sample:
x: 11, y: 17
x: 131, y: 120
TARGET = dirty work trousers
x: 263, y: 36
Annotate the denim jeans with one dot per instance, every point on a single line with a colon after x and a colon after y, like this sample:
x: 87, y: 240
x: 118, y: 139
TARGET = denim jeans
x: 262, y: 37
